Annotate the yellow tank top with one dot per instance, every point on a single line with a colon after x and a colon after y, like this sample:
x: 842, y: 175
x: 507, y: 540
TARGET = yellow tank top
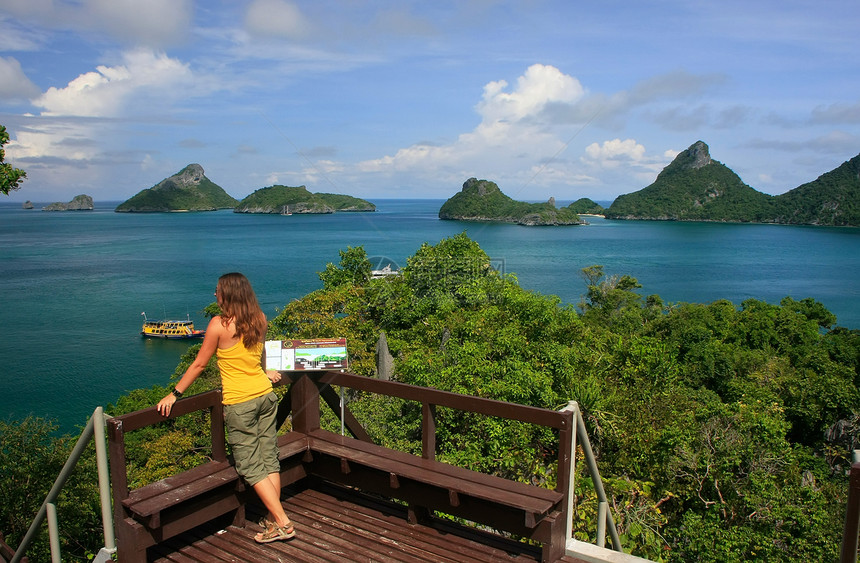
x: 242, y: 375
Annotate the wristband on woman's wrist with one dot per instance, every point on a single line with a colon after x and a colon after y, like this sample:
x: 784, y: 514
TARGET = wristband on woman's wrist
x: 177, y: 393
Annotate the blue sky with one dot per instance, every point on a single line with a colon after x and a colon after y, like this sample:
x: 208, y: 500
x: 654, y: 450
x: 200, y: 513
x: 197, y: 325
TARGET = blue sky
x: 408, y: 99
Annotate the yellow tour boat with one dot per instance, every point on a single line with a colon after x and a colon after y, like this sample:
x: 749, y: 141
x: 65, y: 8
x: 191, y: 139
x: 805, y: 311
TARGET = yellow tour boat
x: 170, y: 329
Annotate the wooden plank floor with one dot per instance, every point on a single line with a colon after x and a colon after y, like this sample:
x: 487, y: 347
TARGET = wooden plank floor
x: 334, y: 524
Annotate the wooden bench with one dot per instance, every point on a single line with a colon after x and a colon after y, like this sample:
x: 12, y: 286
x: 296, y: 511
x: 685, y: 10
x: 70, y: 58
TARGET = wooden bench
x: 455, y: 490
x: 426, y: 484
x: 292, y: 449
x: 158, y: 511
x: 161, y: 510
x: 148, y: 503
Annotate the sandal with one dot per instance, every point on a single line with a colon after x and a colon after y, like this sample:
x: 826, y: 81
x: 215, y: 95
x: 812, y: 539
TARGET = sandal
x: 266, y: 524
x: 275, y: 533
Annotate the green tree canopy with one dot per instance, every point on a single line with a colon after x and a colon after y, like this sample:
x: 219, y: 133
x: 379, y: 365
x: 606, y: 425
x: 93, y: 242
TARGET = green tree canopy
x: 354, y: 268
x: 10, y: 177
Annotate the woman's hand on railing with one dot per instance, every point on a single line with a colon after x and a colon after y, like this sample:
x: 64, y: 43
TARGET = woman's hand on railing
x: 166, y: 404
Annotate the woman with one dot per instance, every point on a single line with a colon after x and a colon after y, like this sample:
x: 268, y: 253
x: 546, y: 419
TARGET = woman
x: 237, y: 337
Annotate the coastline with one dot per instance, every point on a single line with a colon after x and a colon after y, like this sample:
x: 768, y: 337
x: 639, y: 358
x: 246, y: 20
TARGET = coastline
x: 98, y: 271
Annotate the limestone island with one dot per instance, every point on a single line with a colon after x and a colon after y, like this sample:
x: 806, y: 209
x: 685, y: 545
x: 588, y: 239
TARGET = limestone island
x: 286, y: 200
x: 695, y: 187
x: 187, y: 190
x: 482, y: 200
x: 79, y: 203
x: 586, y: 206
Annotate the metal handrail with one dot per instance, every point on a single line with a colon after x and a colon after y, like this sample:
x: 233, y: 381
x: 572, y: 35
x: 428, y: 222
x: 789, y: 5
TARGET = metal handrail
x: 604, y: 515
x: 95, y: 427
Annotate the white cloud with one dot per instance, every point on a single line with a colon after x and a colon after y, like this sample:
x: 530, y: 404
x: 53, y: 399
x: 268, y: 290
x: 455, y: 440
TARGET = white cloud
x: 154, y: 23
x: 612, y: 110
x: 35, y: 9
x: 683, y: 118
x: 538, y: 87
x: 108, y: 91
x: 399, y: 21
x: 525, y: 131
x: 147, y: 163
x: 79, y: 121
x: 276, y: 18
x: 515, y: 130
x: 14, y: 84
x: 17, y: 37
x: 673, y: 85
x: 615, y: 152
x: 56, y: 140
x: 833, y: 142
x: 839, y: 113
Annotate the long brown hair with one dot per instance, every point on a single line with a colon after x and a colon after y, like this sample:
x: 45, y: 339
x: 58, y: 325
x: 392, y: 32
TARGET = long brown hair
x: 239, y: 304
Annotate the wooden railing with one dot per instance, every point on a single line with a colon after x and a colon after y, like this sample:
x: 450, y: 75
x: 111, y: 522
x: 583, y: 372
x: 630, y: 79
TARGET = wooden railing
x: 155, y: 512
x: 524, y: 510
x: 308, y: 387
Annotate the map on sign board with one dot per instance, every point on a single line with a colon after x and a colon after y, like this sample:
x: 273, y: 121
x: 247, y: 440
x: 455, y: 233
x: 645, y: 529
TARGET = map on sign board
x: 308, y: 354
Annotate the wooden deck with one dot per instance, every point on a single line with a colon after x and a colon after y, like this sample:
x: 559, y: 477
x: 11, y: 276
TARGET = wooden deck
x: 351, y: 499
x: 336, y: 524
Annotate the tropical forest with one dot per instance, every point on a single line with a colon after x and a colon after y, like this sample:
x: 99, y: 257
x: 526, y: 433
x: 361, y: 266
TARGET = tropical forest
x: 722, y: 431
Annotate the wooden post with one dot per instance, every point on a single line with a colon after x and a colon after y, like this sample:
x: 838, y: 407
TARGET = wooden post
x: 565, y: 455
x: 216, y: 422
x: 306, y: 404
x: 852, y: 518
x: 119, y: 478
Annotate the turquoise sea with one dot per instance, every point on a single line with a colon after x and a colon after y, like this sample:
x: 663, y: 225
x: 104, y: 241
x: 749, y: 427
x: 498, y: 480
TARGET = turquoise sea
x: 75, y: 283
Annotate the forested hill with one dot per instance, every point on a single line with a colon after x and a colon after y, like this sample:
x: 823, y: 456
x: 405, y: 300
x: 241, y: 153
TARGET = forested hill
x: 286, y: 199
x: 832, y: 199
x: 585, y: 206
x: 187, y: 190
x: 482, y: 200
x: 694, y: 187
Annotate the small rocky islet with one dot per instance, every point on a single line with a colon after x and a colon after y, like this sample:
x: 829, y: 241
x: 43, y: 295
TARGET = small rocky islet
x: 81, y: 202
